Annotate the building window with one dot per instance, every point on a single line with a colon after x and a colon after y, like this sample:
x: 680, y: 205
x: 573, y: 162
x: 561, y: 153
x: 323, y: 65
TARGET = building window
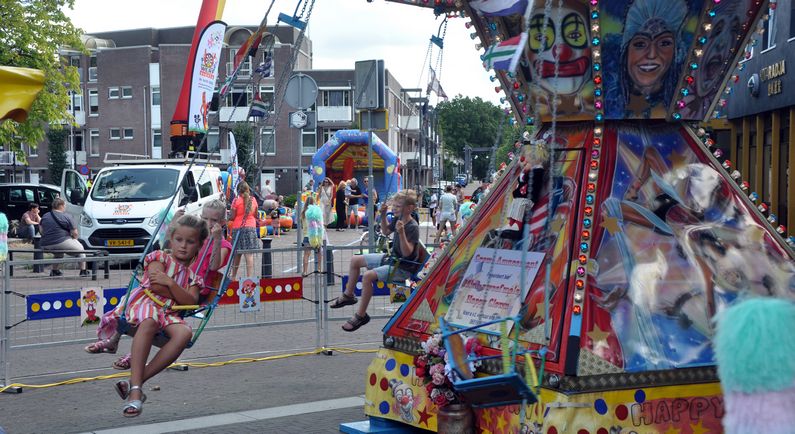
x: 336, y: 98
x: 328, y: 134
x: 93, y: 102
x: 74, y: 61
x: 77, y: 140
x: 157, y: 138
x: 113, y: 93
x: 115, y: 133
x: 213, y: 141
x: 33, y: 151
x: 266, y: 94
x: 245, y: 68
x: 155, y: 95
x: 93, y: 142
x: 75, y: 102
x: 308, y: 142
x: 238, y: 96
x: 127, y: 133
x: 92, y: 68
x: 126, y: 92
x: 267, y: 144
x: 769, y: 37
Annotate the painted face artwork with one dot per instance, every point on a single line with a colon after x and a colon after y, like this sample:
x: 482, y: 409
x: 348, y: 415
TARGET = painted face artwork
x: 566, y: 43
x: 649, y: 58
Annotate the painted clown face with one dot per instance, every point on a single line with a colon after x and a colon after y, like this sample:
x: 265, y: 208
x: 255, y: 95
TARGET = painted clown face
x: 404, y: 400
x: 564, y: 42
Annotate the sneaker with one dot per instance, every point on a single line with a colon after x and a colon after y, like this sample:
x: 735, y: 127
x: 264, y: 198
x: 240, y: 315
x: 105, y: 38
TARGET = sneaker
x: 56, y: 273
x: 84, y: 273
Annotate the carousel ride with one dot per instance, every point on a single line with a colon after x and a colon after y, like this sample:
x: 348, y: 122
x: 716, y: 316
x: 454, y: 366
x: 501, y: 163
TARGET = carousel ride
x: 580, y: 296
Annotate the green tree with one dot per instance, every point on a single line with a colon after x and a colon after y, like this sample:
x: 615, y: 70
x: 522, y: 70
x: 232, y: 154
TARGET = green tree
x: 31, y: 33
x: 244, y: 139
x: 473, y: 122
x: 56, y: 153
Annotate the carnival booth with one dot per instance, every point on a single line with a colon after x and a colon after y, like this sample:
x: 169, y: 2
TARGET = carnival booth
x: 580, y: 296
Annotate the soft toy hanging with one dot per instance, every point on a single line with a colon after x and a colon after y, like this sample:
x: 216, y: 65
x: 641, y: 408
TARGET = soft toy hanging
x: 755, y: 351
x: 3, y: 237
x: 528, y: 189
x: 314, y: 220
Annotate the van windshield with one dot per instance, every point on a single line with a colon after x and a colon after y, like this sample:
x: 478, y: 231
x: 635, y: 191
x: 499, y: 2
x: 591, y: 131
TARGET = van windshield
x: 135, y: 185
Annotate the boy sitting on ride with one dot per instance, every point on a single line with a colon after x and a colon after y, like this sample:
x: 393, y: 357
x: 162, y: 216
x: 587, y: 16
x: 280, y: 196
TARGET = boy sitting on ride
x: 399, y: 265
x: 167, y: 281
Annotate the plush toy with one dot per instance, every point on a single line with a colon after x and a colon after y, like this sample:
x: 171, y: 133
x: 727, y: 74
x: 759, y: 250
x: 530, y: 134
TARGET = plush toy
x: 528, y: 190
x: 3, y: 237
x: 314, y: 219
x: 755, y: 351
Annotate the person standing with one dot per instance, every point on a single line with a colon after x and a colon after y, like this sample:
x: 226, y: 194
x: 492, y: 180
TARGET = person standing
x: 447, y: 213
x: 353, y: 202
x: 29, y: 223
x: 339, y: 205
x: 327, y: 199
x: 267, y: 190
x: 433, y: 202
x: 59, y: 232
x: 243, y: 220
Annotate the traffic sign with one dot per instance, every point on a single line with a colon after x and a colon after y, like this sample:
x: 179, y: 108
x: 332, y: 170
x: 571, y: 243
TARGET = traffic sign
x: 301, y: 91
x: 84, y: 170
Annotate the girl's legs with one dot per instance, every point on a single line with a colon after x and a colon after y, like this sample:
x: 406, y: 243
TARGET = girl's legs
x: 179, y: 335
x: 305, y: 270
x: 141, y: 345
x: 235, y: 267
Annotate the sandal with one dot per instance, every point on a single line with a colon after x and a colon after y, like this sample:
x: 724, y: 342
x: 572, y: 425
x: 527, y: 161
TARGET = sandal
x: 104, y: 346
x: 356, y: 322
x: 343, y: 300
x: 122, y: 363
x: 136, y: 405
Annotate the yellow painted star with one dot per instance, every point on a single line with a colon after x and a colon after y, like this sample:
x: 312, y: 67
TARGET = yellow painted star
x: 611, y: 224
x: 557, y: 224
x: 678, y: 160
x: 672, y: 430
x: 698, y: 429
x: 486, y: 416
x: 500, y: 423
x: 597, y: 335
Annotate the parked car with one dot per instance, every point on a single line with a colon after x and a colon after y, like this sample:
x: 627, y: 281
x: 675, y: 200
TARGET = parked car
x: 461, y: 180
x: 15, y: 199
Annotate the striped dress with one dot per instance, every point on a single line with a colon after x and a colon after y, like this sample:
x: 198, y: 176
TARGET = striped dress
x: 141, y: 307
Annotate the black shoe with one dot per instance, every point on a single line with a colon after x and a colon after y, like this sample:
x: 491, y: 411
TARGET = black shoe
x: 84, y: 273
x: 56, y: 273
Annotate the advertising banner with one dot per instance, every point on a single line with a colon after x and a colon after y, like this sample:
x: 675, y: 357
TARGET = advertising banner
x: 205, y: 74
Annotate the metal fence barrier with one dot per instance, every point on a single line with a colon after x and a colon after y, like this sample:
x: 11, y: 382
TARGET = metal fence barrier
x: 39, y: 310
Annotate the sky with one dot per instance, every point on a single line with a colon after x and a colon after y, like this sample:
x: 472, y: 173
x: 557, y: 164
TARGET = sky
x: 342, y: 32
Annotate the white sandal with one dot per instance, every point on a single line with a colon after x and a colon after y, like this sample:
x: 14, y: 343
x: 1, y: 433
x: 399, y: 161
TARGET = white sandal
x: 136, y: 404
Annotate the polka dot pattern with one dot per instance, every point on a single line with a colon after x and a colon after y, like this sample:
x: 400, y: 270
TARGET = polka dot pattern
x: 552, y: 430
x: 384, y: 385
x: 404, y: 370
x: 640, y: 396
x: 390, y: 364
x: 600, y: 406
x: 383, y: 407
x: 602, y: 431
x: 622, y: 412
x: 373, y: 379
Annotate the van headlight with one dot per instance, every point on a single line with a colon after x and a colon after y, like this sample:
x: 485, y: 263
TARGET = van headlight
x: 155, y: 220
x: 86, y: 220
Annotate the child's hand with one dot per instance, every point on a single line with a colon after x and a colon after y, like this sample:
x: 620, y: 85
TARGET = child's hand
x: 160, y: 278
x: 216, y: 231
x: 180, y: 212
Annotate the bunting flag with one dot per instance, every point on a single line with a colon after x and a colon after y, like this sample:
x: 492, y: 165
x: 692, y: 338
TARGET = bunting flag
x: 435, y: 86
x: 499, y: 8
x: 505, y: 55
x: 249, y: 48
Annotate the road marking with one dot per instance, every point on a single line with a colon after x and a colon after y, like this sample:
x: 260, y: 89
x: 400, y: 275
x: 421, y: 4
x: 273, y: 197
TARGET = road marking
x: 224, y: 419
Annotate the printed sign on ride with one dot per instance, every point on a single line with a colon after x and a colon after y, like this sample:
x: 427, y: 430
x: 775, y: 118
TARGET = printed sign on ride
x: 490, y: 288
x: 205, y: 73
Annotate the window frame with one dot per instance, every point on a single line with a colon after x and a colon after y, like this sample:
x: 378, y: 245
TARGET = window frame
x: 305, y: 133
x: 124, y: 131
x: 123, y: 92
x: 263, y: 132
x: 92, y: 144
x: 114, y: 93
x: 118, y: 134
x: 156, y: 91
x: 95, y: 94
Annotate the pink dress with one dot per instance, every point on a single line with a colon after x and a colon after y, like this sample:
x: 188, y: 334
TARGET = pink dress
x: 209, y: 277
x: 141, y: 307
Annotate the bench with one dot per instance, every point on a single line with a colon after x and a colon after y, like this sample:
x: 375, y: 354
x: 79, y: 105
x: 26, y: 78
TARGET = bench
x: 38, y: 253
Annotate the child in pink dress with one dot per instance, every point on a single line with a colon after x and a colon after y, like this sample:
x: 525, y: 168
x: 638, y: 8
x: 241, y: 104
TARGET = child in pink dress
x: 167, y: 281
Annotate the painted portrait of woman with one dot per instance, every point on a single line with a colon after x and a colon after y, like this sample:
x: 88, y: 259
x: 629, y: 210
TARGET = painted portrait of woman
x: 650, y: 56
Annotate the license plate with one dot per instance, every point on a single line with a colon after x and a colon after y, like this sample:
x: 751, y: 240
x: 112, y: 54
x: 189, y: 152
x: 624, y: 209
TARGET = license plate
x: 119, y: 243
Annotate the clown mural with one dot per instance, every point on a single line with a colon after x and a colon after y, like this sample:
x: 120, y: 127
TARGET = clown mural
x: 405, y: 401
x: 564, y: 42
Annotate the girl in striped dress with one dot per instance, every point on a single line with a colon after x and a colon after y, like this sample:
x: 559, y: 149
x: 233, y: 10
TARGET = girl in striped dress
x: 168, y: 280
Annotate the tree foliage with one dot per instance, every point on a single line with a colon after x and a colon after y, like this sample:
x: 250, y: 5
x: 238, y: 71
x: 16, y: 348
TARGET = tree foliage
x: 56, y: 153
x: 31, y: 33
x: 244, y: 139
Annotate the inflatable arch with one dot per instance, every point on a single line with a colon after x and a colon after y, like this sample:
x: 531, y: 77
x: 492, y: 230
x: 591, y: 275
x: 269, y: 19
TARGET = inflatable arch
x: 344, y: 156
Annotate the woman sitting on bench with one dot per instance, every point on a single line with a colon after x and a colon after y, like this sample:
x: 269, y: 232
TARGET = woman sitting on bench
x: 59, y: 232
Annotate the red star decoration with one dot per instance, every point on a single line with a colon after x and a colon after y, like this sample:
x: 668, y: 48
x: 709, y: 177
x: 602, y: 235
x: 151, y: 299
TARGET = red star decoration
x: 424, y: 416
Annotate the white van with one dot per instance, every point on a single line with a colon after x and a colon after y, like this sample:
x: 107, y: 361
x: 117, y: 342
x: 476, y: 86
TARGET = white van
x: 127, y: 201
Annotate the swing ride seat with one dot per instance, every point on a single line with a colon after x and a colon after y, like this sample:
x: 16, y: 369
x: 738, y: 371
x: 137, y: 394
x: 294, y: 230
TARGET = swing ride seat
x: 495, y: 390
x: 422, y: 258
x: 292, y: 21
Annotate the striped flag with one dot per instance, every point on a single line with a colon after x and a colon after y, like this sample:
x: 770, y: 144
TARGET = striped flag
x: 505, y: 55
x: 499, y: 8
